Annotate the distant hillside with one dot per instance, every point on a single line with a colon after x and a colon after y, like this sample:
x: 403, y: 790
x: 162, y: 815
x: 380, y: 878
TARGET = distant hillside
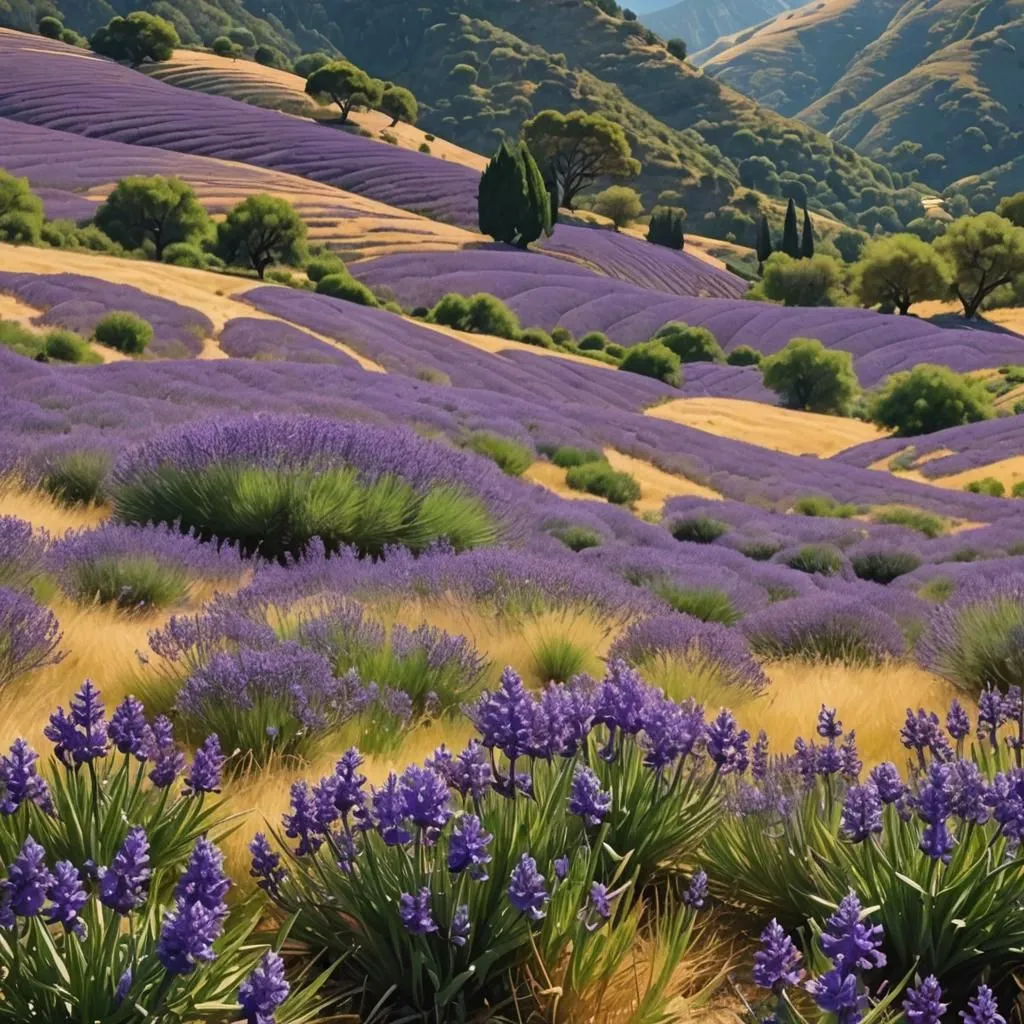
x: 942, y: 76
x: 700, y: 23
x: 477, y: 81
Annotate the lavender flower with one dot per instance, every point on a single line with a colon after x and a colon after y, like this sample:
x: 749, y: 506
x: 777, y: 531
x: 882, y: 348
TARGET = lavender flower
x: 934, y: 806
x: 598, y: 908
x: 777, y: 962
x: 67, y: 897
x: 923, y: 1003
x: 264, y: 990
x: 1006, y: 798
x: 348, y: 794
x: 504, y: 718
x: 81, y: 736
x: 862, y: 813
x: 168, y: 761
x: 670, y: 730
x: 727, y: 744
x: 958, y: 724
x: 471, y: 771
x: 124, y: 884
x: 20, y: 780
x: 922, y: 732
x: 836, y: 992
x: 31, y: 635
x: 697, y: 891
x: 204, y: 775
x: 203, y: 880
x: 128, y: 729
x: 829, y: 727
x: 526, y: 889
x: 266, y: 865
x: 850, y: 763
x: 390, y: 813
x: 425, y: 796
x: 124, y: 986
x: 759, y: 757
x: 467, y: 847
x: 621, y: 698
x: 983, y: 1008
x: 969, y: 792
x: 851, y: 944
x: 23, y: 892
x: 561, y: 868
x: 991, y: 714
x: 458, y: 934
x: 416, y: 913
x: 187, y: 937
x: 302, y: 823
x: 586, y: 798
x: 886, y: 779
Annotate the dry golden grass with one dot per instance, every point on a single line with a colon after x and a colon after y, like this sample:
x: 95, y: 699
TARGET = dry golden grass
x: 18, y: 311
x: 43, y: 512
x: 656, y: 486
x: 782, y: 430
x: 1008, y: 471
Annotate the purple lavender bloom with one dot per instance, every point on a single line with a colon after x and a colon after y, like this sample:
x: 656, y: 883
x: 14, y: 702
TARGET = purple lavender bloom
x: 20, y: 780
x: 80, y: 736
x: 621, y: 698
x: 415, y: 912
x: 324, y: 811
x: 526, y: 889
x: 1006, y: 798
x: 990, y: 714
x: 586, y: 798
x: 31, y: 635
x: 777, y: 962
x: 836, y: 992
x: 563, y: 719
x: 23, y: 892
x: 168, y: 761
x: 425, y: 795
x: 302, y: 823
x: 203, y: 880
x: 561, y: 868
x: 934, y: 805
x: 204, y: 775
x: 850, y: 763
x: 124, y: 986
x: 264, y: 990
x: 969, y: 792
x: 128, y: 729
x: 467, y: 847
x: 697, y: 891
x: 504, y: 718
x: 983, y: 1008
x: 829, y: 727
x: 598, y: 908
x: 187, y: 937
x: 727, y: 744
x: 850, y: 943
x: 958, y: 724
x: 471, y: 771
x: 862, y: 813
x: 390, y: 813
x: 886, y: 779
x: 348, y: 794
x: 458, y: 934
x: 67, y: 897
x: 124, y: 884
x: 922, y: 732
x: 923, y: 1003
x: 670, y: 730
x: 759, y: 757
x: 266, y: 865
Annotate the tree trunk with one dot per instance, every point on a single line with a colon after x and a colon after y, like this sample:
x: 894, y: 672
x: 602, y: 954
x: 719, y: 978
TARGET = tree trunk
x: 393, y: 123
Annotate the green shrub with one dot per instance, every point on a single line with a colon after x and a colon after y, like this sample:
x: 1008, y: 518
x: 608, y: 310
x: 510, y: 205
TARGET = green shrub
x: 761, y: 549
x: 989, y: 485
x: 67, y: 347
x: 929, y: 398
x: 557, y: 659
x: 125, y: 332
x: 937, y: 589
x: 424, y: 147
x: 223, y: 47
x: 537, y: 337
x: 577, y: 538
x: 1018, y: 489
x: 565, y: 456
x: 513, y: 457
x: 884, y: 566
x: 185, y: 254
x: 561, y: 336
x: 812, y: 378
x: 801, y: 282
x: 699, y: 529
x: 51, y: 27
x: 599, y: 478
x: 654, y: 360
x: 479, y: 314
x: 66, y: 234
x: 614, y: 350
x: 21, y: 211
x: 817, y: 558
x: 691, y: 344
x: 134, y: 583
x: 744, y: 355
x: 344, y: 286
x: 898, y: 515
x: 705, y: 603
x: 20, y: 339
x: 824, y: 507
x: 595, y: 341
x: 77, y: 478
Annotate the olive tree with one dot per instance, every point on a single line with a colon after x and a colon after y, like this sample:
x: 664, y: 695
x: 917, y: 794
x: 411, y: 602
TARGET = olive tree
x: 262, y: 230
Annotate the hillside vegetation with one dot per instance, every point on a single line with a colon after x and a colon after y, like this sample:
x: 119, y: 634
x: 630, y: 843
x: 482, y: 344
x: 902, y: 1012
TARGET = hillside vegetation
x: 927, y: 86
x: 700, y: 23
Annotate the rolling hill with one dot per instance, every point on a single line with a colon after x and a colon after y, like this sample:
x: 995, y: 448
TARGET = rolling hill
x: 700, y: 23
x: 927, y: 86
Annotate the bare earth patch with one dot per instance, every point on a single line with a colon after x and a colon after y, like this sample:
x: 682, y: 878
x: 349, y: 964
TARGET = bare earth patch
x: 656, y: 486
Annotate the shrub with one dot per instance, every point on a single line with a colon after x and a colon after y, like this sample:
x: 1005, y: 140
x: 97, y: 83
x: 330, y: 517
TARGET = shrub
x: 77, y: 478
x: 67, y: 346
x: 565, y: 456
x: 135, y: 39
x: 21, y: 211
x: 51, y: 27
x: 708, y: 604
x: 816, y: 558
x: 654, y: 360
x: 481, y: 314
x: 699, y: 529
x: 125, y: 332
x: 29, y: 637
x: 262, y: 230
x: 66, y: 234
x: 599, y: 478
x: 20, y: 339
x: 937, y: 589
x: 615, y: 351
x: 185, y: 254
x: 344, y: 286
x: 801, y: 282
x: 620, y: 204
x: 810, y: 377
x: 821, y: 505
x: 1018, y: 489
x: 511, y: 456
x: 537, y: 337
x: 691, y: 344
x: 556, y: 659
x: 241, y: 36
x: 824, y: 628
x: 22, y: 553
x: 594, y: 341
x: 883, y: 565
x: 305, y: 65
x: 666, y: 227
x: 760, y: 549
x: 989, y: 485
x: 677, y: 47
x: 924, y: 522
x: 424, y: 147
x: 744, y: 355
x: 561, y: 336
x: 929, y: 398
x: 577, y: 538
x: 223, y: 47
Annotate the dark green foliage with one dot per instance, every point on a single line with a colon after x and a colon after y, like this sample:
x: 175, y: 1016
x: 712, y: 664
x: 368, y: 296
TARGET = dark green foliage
x: 899, y: 270
x: 620, y: 204
x: 565, y: 456
x: 345, y: 286
x: 77, y: 478
x: 343, y: 83
x: 705, y: 603
x: 691, y: 344
x: 929, y: 398
x: 795, y: 282
x: 654, y: 360
x: 135, y: 39
x: 677, y: 47
x: 807, y: 237
x: 614, y: 350
x: 513, y: 202
x: 599, y: 478
x: 764, y: 242
x: 243, y: 37
x: 154, y: 212
x: 537, y: 337
x: 556, y: 659
x: 261, y: 230
x: 812, y: 378
x: 270, y: 56
x: 132, y: 582
x: 699, y: 529
x: 51, y: 27
x: 744, y: 355
x: 986, y: 253
x: 1018, y: 492
x: 593, y: 341
x: 21, y: 211
x: 924, y: 522
x: 125, y: 332
x: 223, y: 47
x: 817, y: 558
x: 399, y: 104
x: 577, y: 538
x: 67, y: 347
x: 989, y: 485
x: 666, y: 227
x: 884, y: 566
x: 305, y: 65
x: 511, y: 456
x: 323, y: 264
x: 19, y: 339
x: 561, y: 336
x: 761, y: 550
x: 790, y: 233
x: 822, y: 506
x: 66, y: 234
x: 185, y: 254
x: 478, y: 314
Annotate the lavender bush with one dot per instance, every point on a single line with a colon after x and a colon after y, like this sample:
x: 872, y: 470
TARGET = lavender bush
x: 22, y: 553
x: 29, y: 636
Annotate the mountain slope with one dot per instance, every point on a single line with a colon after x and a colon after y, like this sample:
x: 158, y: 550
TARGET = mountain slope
x: 700, y: 23
x: 941, y: 75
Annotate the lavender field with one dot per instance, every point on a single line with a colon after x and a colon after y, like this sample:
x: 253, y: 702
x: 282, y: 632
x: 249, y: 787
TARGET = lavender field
x: 363, y: 663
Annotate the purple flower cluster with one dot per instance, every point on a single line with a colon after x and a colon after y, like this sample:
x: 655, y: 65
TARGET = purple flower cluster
x: 31, y: 635
x: 22, y: 551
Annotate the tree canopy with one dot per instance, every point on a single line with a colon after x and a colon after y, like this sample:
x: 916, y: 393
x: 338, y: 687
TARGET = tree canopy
x: 343, y: 83
x: 986, y: 252
x: 21, y: 210
x: 812, y: 378
x: 620, y: 204
x: 310, y: 62
x: 51, y: 27
x: 578, y: 149
x: 262, y: 230
x: 790, y: 233
x: 795, y: 282
x: 691, y: 344
x: 899, y: 271
x: 1012, y: 207
x: 666, y: 227
x: 399, y: 104
x: 136, y: 38
x: 513, y: 205
x: 929, y: 398
x: 157, y: 210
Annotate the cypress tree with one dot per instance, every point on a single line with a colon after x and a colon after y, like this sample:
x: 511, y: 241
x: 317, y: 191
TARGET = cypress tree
x: 555, y: 202
x: 790, y: 234
x: 534, y: 217
x: 764, y: 242
x: 501, y: 190
x: 807, y: 242
x: 666, y: 227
